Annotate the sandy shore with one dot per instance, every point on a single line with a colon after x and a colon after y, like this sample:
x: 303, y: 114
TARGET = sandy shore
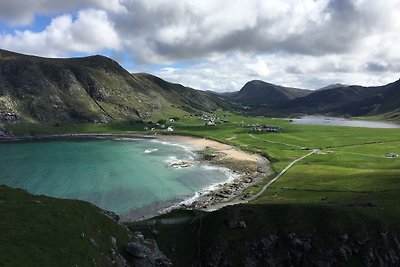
x: 203, y: 143
x: 250, y: 170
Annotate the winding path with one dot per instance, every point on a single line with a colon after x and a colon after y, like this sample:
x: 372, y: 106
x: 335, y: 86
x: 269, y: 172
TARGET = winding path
x: 236, y: 201
x: 280, y: 174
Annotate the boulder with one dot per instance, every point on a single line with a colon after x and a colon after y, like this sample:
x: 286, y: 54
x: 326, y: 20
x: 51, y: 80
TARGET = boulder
x: 137, y: 249
x: 114, y: 242
x: 145, y: 252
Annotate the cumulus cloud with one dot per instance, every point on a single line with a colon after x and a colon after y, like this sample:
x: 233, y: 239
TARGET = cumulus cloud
x: 183, y: 29
x: 223, y: 44
x: 22, y: 12
x: 90, y: 32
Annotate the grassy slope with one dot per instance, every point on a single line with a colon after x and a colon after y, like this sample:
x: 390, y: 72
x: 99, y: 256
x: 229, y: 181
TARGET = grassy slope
x: 44, y: 231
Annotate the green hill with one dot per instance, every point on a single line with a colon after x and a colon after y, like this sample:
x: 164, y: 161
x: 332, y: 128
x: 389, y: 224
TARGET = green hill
x: 88, y: 89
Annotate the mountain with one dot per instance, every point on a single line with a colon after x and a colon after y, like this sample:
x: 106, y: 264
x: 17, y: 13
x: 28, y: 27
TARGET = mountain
x: 258, y: 92
x: 330, y: 86
x: 88, y: 89
x: 350, y: 100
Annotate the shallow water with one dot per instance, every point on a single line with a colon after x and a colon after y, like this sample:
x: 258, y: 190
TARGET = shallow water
x: 334, y: 121
x: 119, y: 176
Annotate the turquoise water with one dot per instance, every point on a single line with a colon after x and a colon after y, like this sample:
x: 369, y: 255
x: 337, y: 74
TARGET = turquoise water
x: 334, y: 121
x: 119, y: 176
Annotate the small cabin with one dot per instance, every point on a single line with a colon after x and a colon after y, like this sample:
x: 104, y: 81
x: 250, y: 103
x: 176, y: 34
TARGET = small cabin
x: 170, y: 129
x: 210, y: 123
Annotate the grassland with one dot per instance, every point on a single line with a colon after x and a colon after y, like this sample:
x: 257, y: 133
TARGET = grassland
x: 350, y: 187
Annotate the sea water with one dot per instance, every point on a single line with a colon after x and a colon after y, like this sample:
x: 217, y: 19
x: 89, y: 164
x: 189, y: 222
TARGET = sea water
x: 116, y: 175
x: 335, y: 121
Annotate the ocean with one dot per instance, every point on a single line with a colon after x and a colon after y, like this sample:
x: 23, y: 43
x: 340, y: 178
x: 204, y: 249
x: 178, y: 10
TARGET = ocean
x: 117, y: 175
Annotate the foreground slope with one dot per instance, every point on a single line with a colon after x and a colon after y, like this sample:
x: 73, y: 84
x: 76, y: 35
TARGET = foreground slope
x: 44, y: 231
x: 89, y: 89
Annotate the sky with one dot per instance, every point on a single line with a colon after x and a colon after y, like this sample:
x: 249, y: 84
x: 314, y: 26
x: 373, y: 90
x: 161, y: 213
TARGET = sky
x: 218, y: 45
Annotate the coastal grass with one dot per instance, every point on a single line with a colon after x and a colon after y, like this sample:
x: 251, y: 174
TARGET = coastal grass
x: 44, y: 231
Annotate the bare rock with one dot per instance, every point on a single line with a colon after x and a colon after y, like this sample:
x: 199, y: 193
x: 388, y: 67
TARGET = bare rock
x: 137, y: 249
x: 145, y: 252
x: 114, y: 242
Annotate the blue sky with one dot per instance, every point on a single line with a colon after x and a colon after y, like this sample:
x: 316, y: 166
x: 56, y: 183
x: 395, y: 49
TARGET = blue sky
x: 218, y: 45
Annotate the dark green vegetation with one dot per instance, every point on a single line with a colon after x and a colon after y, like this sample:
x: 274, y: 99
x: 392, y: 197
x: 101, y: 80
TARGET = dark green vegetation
x: 44, y: 231
x: 90, y: 89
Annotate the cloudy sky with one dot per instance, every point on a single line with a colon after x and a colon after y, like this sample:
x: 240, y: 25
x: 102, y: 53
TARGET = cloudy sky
x: 218, y: 45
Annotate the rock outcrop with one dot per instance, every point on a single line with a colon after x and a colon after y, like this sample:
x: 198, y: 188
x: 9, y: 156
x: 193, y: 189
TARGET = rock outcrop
x: 145, y: 252
x: 291, y: 249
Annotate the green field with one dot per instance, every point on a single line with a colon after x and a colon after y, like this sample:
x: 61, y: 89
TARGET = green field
x: 349, y: 187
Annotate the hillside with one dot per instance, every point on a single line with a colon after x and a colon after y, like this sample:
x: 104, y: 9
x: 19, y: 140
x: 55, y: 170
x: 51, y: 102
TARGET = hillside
x: 261, y: 93
x: 44, y: 231
x: 88, y: 89
x: 351, y: 100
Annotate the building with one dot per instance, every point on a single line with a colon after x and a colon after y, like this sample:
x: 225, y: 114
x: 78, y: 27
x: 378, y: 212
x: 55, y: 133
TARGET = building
x: 264, y: 129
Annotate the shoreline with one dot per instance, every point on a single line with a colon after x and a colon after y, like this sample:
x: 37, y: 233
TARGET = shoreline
x: 247, y: 169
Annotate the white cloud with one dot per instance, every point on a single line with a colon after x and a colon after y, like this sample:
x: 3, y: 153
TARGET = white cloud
x: 22, y: 12
x: 89, y: 33
x: 225, y: 43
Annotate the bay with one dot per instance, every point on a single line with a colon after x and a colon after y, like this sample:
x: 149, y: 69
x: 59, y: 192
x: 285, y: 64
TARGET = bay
x: 116, y: 175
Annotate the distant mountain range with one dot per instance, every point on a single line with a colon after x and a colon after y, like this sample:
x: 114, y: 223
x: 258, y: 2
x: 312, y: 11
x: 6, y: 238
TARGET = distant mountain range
x: 342, y: 100
x: 98, y: 89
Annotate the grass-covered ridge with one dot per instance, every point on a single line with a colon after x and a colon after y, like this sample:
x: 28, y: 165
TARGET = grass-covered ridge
x: 44, y: 231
